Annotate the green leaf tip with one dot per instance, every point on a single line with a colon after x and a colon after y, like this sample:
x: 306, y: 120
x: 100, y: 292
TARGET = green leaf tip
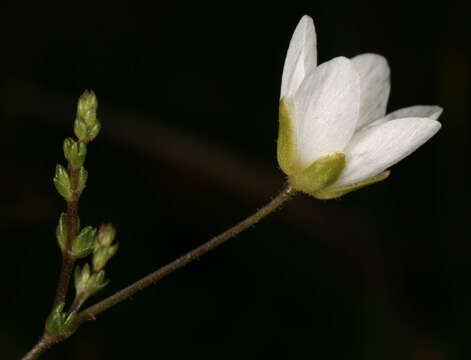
x: 61, y: 231
x: 75, y: 152
x: 82, y: 180
x: 59, y: 322
x: 323, y: 172
x: 62, y: 182
x: 84, y: 243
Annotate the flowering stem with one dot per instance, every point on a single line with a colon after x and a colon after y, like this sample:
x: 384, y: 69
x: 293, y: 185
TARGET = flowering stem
x: 178, y: 263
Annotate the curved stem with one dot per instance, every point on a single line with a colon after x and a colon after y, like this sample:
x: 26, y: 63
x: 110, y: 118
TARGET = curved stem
x: 178, y: 263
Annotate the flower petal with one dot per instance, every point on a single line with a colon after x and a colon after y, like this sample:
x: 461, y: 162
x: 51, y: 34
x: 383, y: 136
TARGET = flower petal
x: 326, y: 108
x: 376, y: 148
x: 424, y: 111
x: 375, y: 87
x: 428, y: 111
x: 301, y: 57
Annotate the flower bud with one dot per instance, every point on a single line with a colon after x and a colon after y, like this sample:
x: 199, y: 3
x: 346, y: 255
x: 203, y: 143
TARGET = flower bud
x: 62, y: 182
x: 75, y: 152
x: 59, y: 322
x: 80, y: 129
x: 81, y: 277
x: 94, y: 130
x: 86, y: 125
x: 87, y: 284
x: 87, y: 107
x: 106, y: 234
x: 102, y: 254
x: 83, y: 244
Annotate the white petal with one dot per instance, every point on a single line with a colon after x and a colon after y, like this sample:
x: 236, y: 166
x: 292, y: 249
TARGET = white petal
x: 301, y: 57
x: 326, y: 108
x: 376, y: 148
x: 424, y: 111
x: 428, y: 111
x: 375, y: 87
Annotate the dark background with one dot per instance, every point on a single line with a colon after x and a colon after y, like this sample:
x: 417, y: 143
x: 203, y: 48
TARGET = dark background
x: 188, y: 101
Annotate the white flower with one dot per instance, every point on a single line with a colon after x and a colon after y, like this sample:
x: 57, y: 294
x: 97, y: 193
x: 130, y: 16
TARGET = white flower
x: 337, y: 111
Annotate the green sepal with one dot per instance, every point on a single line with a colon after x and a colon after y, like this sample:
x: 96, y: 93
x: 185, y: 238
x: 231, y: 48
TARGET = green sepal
x: 55, y: 320
x: 101, y: 255
x: 82, y: 180
x: 80, y: 129
x: 335, y: 192
x: 286, y: 146
x: 75, y: 152
x: 320, y: 174
x: 62, y: 182
x: 59, y: 322
x: 97, y: 283
x: 87, y: 107
x: 87, y: 284
x: 81, y: 277
x: 68, y: 144
x: 84, y: 243
x: 61, y: 231
x: 94, y: 130
x: 106, y: 234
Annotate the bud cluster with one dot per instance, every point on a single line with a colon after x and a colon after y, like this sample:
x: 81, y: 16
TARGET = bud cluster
x: 87, y: 126
x: 59, y: 322
x: 89, y: 280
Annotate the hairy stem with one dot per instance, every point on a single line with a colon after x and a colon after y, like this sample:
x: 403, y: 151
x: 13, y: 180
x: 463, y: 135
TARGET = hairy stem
x: 178, y: 263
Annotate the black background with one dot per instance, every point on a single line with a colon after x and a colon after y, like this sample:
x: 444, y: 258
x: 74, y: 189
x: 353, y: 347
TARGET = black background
x: 188, y: 101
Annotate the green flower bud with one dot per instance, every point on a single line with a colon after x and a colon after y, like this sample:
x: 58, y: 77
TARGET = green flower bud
x: 61, y: 231
x: 80, y: 129
x: 55, y: 320
x: 75, y: 152
x: 87, y: 284
x: 84, y: 242
x: 59, y: 322
x: 82, y: 180
x: 106, y: 234
x: 62, y: 182
x: 320, y: 174
x: 87, y: 107
x: 102, y: 254
x: 94, y: 130
x: 81, y: 278
x: 97, y: 282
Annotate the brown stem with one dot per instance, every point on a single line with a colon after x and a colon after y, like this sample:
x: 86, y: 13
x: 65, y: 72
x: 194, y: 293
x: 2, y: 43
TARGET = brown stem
x: 166, y: 270
x: 68, y: 259
x: 38, y: 349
